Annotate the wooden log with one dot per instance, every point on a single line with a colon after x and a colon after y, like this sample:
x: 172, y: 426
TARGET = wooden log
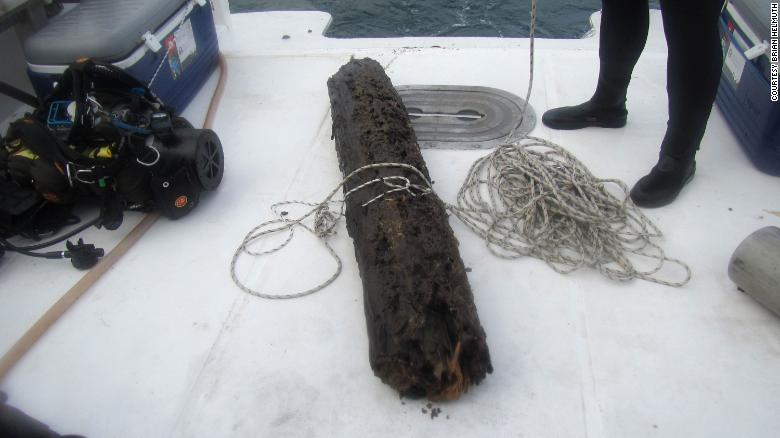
x: 425, y: 338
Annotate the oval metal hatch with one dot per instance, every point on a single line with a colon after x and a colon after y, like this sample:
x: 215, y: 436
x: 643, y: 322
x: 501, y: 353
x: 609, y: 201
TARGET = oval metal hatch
x: 464, y: 117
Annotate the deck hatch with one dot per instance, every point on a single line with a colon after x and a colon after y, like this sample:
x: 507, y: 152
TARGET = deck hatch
x: 464, y: 117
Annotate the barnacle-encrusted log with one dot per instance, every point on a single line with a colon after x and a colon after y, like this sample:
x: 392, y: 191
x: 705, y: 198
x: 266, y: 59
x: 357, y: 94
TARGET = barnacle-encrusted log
x: 425, y: 339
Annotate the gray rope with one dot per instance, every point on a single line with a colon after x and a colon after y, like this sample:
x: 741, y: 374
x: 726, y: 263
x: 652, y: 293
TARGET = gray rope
x: 325, y: 221
x: 531, y: 36
x: 533, y: 198
x: 159, y: 67
x: 528, y: 198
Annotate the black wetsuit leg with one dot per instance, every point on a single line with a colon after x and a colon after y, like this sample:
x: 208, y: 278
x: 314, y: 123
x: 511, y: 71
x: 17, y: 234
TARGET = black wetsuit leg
x: 623, y: 33
x: 694, y: 67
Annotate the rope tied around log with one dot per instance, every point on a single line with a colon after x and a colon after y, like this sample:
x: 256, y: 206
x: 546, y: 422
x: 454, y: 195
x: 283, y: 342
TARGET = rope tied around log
x: 325, y: 221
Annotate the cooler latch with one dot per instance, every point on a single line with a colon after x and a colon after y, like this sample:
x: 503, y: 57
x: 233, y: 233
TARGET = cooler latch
x: 152, y: 42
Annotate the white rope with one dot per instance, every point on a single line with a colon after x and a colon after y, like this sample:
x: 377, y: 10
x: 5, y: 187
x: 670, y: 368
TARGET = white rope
x: 324, y: 222
x: 531, y: 34
x: 528, y: 198
x: 159, y: 67
x: 533, y: 198
x: 167, y: 53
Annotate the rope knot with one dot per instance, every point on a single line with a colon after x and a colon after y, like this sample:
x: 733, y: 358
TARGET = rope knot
x: 395, y: 183
x: 324, y: 221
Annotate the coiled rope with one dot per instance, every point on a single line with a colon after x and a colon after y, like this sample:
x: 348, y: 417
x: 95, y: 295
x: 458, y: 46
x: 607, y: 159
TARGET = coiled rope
x: 528, y: 198
x: 534, y: 199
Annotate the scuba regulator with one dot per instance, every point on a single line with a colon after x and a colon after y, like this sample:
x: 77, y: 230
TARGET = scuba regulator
x: 101, y: 138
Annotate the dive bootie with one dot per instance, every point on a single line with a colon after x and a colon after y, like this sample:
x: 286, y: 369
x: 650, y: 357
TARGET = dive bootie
x: 585, y: 115
x: 664, y: 182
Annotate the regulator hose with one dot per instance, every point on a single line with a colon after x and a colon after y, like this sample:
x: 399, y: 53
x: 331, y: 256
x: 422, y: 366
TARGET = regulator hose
x: 17, y: 94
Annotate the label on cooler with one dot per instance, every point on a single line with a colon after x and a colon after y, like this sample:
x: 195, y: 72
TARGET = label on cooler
x: 735, y: 63
x: 180, y: 47
x: 185, y: 41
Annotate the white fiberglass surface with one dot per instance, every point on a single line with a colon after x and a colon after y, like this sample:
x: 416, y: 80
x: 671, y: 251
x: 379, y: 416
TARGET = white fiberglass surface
x: 166, y: 345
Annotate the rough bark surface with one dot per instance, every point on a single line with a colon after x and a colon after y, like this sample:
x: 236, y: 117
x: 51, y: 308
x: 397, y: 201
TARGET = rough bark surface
x: 425, y: 338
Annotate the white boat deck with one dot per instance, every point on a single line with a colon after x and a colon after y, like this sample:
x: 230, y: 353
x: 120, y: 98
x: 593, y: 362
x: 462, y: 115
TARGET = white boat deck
x: 166, y: 345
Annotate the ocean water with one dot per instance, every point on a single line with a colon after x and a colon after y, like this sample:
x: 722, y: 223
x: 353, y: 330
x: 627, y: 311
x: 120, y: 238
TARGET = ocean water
x: 397, y: 18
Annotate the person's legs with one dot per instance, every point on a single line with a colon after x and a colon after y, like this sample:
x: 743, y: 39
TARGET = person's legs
x: 693, y: 71
x: 623, y: 33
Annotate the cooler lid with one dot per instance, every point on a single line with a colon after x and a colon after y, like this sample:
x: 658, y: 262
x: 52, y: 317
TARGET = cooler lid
x: 107, y: 30
x: 756, y: 14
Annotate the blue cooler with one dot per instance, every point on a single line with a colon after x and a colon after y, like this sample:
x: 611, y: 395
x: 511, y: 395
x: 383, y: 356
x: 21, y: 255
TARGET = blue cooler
x: 744, y: 90
x: 171, y: 45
